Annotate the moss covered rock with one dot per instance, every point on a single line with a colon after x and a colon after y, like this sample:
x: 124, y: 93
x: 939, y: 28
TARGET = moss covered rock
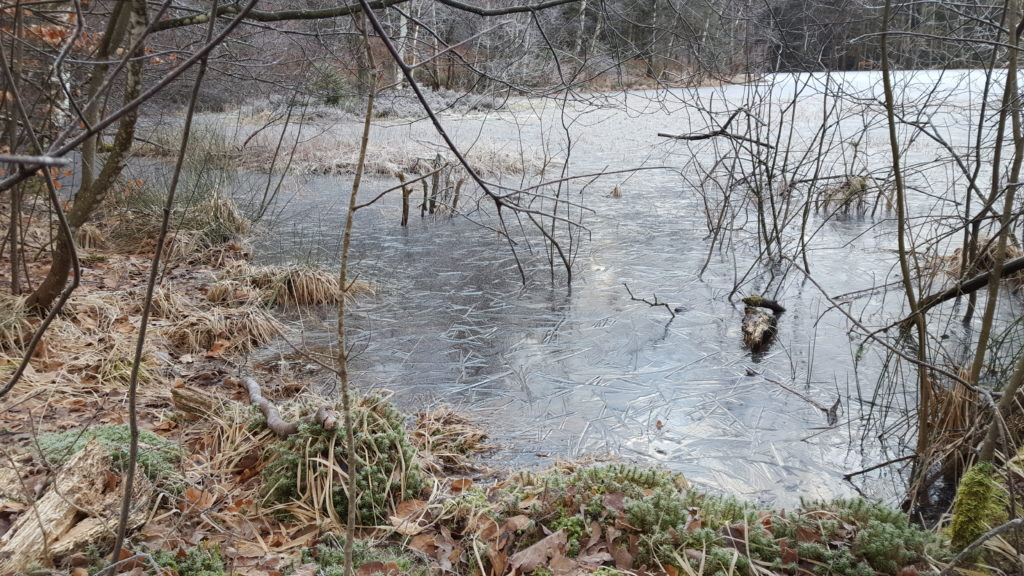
x: 157, y: 456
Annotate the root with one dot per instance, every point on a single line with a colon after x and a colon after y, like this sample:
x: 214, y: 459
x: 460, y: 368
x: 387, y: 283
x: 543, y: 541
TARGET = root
x: 324, y: 416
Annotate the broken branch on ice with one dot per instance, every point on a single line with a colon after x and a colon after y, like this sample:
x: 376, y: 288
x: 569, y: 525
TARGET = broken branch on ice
x: 652, y: 303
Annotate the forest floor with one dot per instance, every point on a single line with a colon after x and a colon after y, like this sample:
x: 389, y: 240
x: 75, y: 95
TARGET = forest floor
x: 220, y: 494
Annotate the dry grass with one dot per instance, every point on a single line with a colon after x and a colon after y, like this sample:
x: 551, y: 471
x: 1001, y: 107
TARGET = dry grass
x: 230, y: 293
x: 218, y: 331
x: 209, y: 233
x: 169, y: 303
x: 95, y: 312
x: 952, y: 265
x: 14, y: 323
x: 854, y: 194
x: 447, y: 441
x: 302, y: 286
x: 296, y: 285
x: 90, y: 237
x: 332, y: 153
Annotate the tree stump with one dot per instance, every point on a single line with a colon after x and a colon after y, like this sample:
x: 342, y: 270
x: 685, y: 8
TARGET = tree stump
x: 758, y: 328
x: 80, y: 508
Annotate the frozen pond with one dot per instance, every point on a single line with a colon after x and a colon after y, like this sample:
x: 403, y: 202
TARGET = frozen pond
x: 554, y: 372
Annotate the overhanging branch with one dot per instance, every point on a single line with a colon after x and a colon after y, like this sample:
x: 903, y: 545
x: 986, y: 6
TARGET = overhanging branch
x: 346, y: 10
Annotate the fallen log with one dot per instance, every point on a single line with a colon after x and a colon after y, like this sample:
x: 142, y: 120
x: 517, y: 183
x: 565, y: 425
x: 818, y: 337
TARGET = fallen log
x: 79, y: 509
x: 973, y: 284
x: 197, y: 402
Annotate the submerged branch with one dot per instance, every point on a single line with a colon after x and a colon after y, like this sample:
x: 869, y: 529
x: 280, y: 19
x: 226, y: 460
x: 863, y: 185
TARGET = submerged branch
x: 652, y: 304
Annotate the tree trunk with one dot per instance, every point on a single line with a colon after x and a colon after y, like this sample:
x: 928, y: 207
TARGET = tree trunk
x: 89, y: 197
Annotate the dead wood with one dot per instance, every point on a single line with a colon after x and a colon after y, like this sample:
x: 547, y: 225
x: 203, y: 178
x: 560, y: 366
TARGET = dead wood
x: 762, y: 302
x: 324, y: 416
x: 831, y: 413
x: 758, y: 328
x: 78, y: 509
x: 723, y: 131
x: 967, y: 286
x: 652, y: 304
x: 198, y: 402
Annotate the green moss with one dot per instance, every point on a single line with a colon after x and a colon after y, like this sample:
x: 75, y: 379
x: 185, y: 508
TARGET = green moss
x: 575, y: 529
x: 329, y: 556
x: 157, y: 456
x: 386, y: 475
x: 977, y: 507
x: 197, y: 561
x: 883, y: 539
x: 890, y: 547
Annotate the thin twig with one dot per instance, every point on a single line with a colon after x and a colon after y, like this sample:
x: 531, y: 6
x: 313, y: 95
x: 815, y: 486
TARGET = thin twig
x: 967, y: 552
x: 850, y: 475
x: 652, y: 304
x: 147, y: 305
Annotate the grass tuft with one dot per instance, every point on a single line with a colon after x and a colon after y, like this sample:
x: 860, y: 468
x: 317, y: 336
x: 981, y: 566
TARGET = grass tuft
x: 15, y: 330
x: 308, y: 470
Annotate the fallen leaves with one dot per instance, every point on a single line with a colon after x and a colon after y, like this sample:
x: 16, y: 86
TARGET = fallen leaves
x: 382, y: 568
x: 409, y: 518
x: 526, y: 561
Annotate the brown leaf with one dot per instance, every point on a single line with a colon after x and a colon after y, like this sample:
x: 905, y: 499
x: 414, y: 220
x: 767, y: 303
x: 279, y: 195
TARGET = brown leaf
x: 111, y: 480
x: 485, y: 528
x: 659, y: 424
x: 385, y: 568
x: 787, y: 555
x: 623, y: 559
x: 595, y: 535
x: 615, y: 501
x: 807, y: 534
x: 424, y: 543
x: 562, y: 566
x: 498, y: 560
x: 671, y: 570
x: 194, y: 499
x: 219, y: 347
x: 129, y: 560
x: 695, y: 522
x: 526, y: 561
x: 371, y: 568
x: 123, y: 325
x: 735, y: 536
x: 527, y: 502
x: 594, y: 559
x: 409, y: 509
x: 461, y: 484
x: 305, y: 570
x: 516, y: 524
